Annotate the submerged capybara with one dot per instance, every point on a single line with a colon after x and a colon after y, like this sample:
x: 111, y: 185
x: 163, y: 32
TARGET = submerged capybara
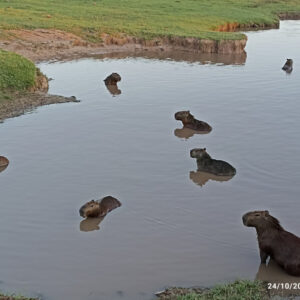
x: 288, y: 66
x: 207, y: 164
x: 112, y: 79
x: 274, y: 242
x: 189, y: 121
x: 99, y: 208
x: 4, y: 162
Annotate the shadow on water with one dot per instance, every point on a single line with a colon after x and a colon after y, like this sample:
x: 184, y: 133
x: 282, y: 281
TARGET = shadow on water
x: 186, y: 133
x: 91, y: 224
x: 113, y: 89
x: 272, y: 273
x: 201, y: 178
x: 180, y: 56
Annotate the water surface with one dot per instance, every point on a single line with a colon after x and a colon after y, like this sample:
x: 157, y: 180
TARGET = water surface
x: 175, y: 226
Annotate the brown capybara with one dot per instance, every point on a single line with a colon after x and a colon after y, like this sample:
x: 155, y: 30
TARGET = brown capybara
x: 112, y: 79
x: 4, y: 162
x: 189, y: 121
x: 274, y: 242
x: 99, y: 208
x: 207, y: 164
x: 288, y: 66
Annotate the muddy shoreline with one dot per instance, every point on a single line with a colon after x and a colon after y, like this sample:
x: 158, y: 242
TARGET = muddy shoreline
x: 21, y: 103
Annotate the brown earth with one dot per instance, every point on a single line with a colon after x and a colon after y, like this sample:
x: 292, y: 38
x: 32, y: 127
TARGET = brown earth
x: 21, y: 103
x: 49, y: 44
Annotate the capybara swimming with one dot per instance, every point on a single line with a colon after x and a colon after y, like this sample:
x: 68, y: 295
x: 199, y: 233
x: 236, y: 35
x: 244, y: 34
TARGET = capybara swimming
x: 112, y: 79
x: 99, y: 208
x: 207, y: 164
x: 274, y: 242
x: 189, y: 121
x: 288, y: 66
x: 3, y: 163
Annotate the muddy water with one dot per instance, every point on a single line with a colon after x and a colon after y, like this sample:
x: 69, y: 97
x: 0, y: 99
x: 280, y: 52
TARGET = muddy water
x: 175, y: 227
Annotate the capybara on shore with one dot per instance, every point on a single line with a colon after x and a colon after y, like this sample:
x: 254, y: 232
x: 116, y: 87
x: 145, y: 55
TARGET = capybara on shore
x: 112, y: 79
x: 3, y: 163
x: 288, y: 66
x: 274, y: 242
x: 207, y: 164
x: 189, y: 121
x: 99, y: 208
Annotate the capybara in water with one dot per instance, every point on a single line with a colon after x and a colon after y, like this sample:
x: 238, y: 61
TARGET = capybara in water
x: 274, y: 242
x: 288, y: 66
x: 3, y: 163
x: 112, y: 79
x: 207, y: 164
x: 189, y: 121
x: 99, y: 208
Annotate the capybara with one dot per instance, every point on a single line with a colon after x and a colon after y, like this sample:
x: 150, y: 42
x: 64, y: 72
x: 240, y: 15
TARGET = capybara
x: 274, y: 242
x: 99, y: 208
x: 3, y: 163
x: 288, y: 66
x: 189, y: 121
x: 207, y: 164
x: 112, y: 79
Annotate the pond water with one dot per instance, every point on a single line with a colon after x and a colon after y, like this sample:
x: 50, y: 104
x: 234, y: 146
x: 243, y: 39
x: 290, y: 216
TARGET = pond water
x: 175, y: 226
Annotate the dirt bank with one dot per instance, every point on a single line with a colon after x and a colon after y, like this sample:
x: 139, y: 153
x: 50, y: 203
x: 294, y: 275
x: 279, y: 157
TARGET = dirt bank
x: 17, y: 104
x: 42, y: 45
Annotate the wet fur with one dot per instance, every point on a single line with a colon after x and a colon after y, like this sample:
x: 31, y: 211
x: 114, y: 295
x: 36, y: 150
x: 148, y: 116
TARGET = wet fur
x: 3, y: 161
x: 112, y: 79
x: 189, y: 121
x: 288, y: 66
x: 99, y: 208
x: 207, y: 164
x: 275, y: 242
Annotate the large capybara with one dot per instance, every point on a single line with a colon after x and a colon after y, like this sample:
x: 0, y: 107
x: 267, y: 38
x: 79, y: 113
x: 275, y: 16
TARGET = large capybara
x: 274, y: 242
x: 4, y: 162
x: 207, y: 164
x: 99, y: 208
x: 189, y: 121
x: 112, y: 79
x: 288, y: 66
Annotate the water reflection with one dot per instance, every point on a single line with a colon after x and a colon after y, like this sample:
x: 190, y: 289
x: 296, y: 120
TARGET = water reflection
x: 201, y: 178
x: 91, y: 224
x: 181, y: 55
x: 186, y: 133
x: 273, y: 273
x: 113, y: 89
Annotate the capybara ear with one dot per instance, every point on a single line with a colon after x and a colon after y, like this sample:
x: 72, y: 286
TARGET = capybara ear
x: 266, y: 212
x: 204, y: 149
x: 188, y: 111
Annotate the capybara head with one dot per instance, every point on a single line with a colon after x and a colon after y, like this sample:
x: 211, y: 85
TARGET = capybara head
x: 260, y: 219
x: 112, y: 79
x: 182, y: 115
x: 90, y: 209
x: 289, y: 61
x: 3, y: 161
x: 198, y: 153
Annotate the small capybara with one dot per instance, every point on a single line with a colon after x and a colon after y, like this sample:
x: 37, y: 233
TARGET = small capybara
x: 207, y: 164
x: 274, y: 242
x: 189, y: 121
x: 99, y: 208
x: 112, y: 79
x: 3, y: 163
x: 288, y: 66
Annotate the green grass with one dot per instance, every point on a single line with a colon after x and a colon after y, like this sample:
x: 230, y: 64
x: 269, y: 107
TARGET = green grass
x: 241, y: 289
x: 16, y: 72
x: 142, y: 18
x: 14, y: 297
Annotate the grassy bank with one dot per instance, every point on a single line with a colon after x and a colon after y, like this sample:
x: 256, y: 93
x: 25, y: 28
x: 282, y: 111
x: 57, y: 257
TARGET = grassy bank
x: 15, y: 297
x: 16, y: 72
x: 143, y: 18
x: 241, y: 289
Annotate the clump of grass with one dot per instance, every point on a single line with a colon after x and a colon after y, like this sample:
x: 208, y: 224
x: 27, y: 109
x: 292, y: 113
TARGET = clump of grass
x: 240, y: 289
x: 16, y: 72
x: 15, y: 297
